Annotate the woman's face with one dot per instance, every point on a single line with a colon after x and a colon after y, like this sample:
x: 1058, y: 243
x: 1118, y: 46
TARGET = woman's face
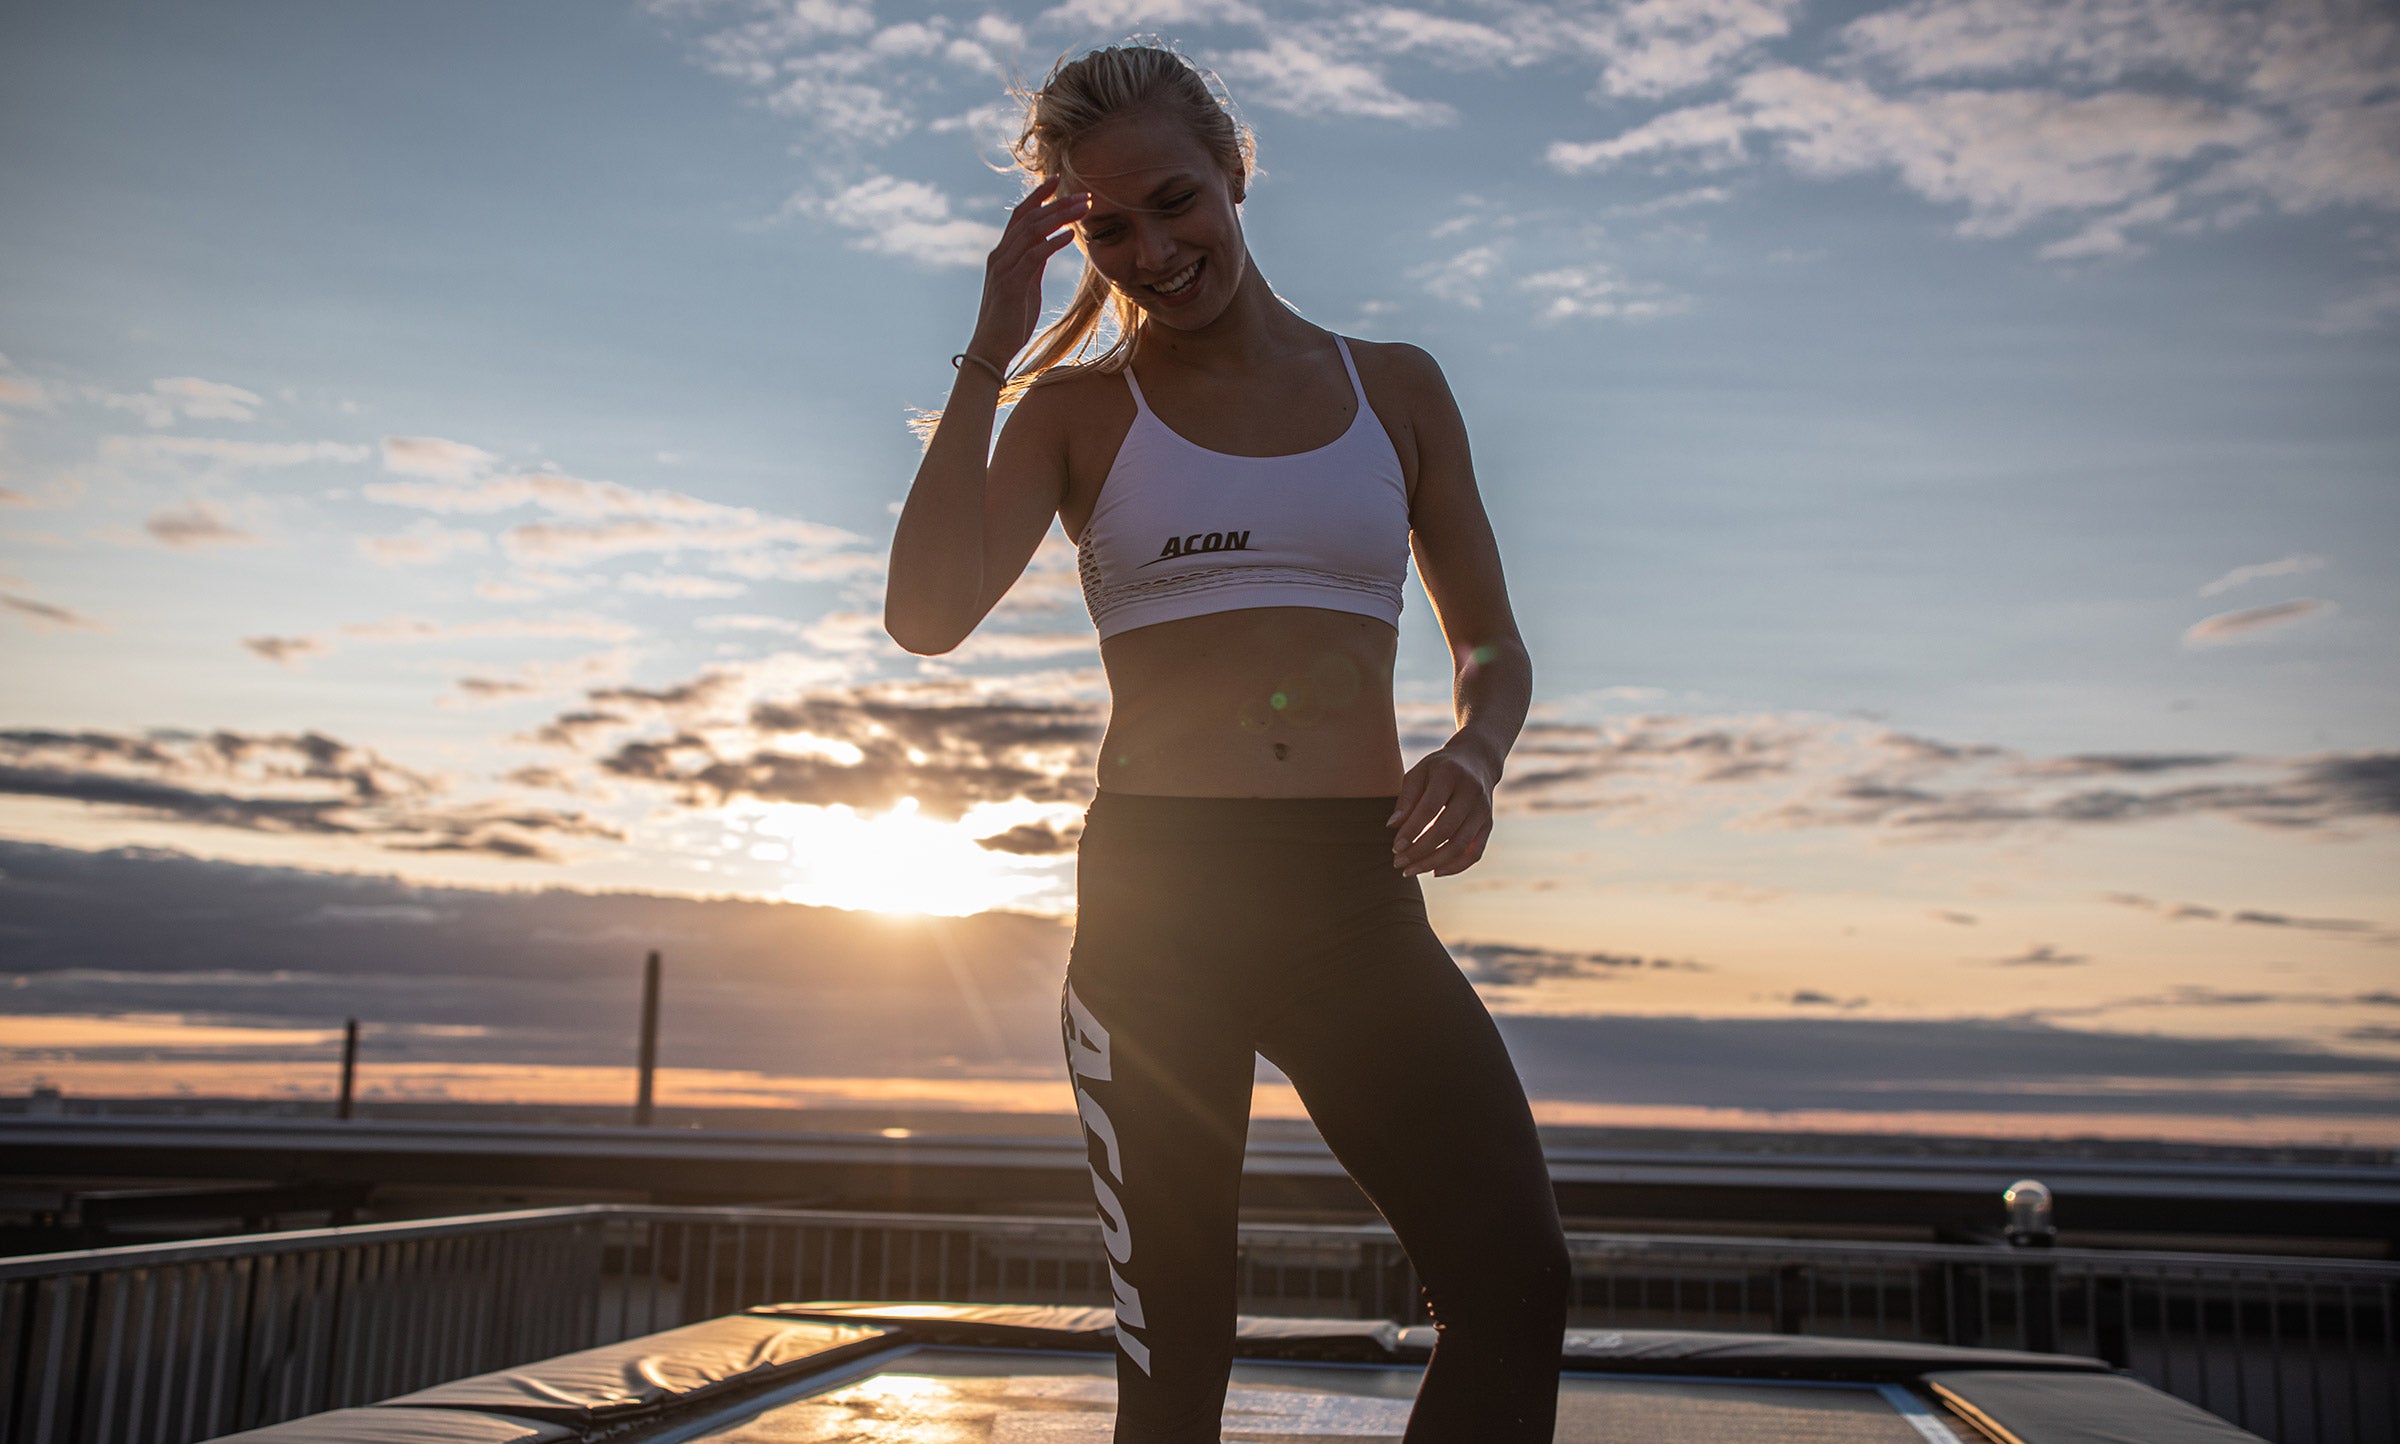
x: 1162, y: 227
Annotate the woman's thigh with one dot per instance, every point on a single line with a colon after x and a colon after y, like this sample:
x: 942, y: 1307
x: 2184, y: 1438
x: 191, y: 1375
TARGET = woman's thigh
x: 1412, y: 1087
x: 1162, y: 1071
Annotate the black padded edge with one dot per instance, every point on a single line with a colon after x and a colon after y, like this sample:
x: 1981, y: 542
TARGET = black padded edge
x: 369, y: 1425
x: 1592, y: 1351
x: 707, y: 1397
x: 1793, y: 1356
x: 988, y: 1326
x: 2041, y: 1409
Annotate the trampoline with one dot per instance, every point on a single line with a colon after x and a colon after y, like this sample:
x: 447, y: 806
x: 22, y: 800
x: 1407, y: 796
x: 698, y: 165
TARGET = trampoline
x: 850, y: 1373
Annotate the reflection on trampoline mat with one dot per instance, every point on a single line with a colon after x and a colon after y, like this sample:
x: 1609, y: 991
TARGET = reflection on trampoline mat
x: 942, y: 1396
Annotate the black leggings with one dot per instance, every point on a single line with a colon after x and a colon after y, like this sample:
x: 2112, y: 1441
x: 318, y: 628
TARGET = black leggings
x: 1210, y: 929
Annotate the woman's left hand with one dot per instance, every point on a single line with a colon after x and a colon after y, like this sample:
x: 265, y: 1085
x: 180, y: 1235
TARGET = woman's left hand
x: 1444, y: 816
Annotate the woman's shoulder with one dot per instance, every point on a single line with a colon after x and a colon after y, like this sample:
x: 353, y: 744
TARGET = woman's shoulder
x: 1075, y: 408
x: 1070, y: 387
x: 1075, y: 391
x: 1404, y: 365
x: 1403, y: 380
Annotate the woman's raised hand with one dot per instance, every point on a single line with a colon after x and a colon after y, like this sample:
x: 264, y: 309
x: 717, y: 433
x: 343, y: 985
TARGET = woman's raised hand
x: 1038, y: 228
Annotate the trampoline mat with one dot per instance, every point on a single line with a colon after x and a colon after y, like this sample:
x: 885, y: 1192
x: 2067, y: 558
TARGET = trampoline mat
x: 975, y: 1397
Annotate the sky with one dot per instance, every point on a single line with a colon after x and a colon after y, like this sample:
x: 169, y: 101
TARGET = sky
x: 1943, y: 454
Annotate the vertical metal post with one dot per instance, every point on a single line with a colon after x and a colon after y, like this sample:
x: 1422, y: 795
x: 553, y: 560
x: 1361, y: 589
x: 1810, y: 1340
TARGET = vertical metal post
x: 349, y: 1067
x: 649, y: 1063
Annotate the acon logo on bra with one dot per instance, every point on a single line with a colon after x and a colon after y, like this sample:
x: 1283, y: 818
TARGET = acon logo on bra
x: 1201, y: 541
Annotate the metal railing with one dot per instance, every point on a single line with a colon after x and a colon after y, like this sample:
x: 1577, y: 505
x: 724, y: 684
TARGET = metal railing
x: 2299, y: 1350
x: 165, y: 1344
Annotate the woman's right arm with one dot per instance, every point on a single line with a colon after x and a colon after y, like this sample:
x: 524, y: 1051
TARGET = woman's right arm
x: 971, y: 523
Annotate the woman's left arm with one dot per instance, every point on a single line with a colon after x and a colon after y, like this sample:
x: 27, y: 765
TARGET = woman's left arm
x: 1444, y: 817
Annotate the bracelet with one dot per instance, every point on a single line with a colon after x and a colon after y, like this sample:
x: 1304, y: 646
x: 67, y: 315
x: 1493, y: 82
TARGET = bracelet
x: 964, y: 356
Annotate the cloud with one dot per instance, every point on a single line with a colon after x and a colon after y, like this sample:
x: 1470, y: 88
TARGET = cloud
x: 2010, y: 157
x: 578, y: 728
x: 2311, y: 795
x: 1130, y: 15
x: 1031, y: 839
x: 530, y: 584
x: 1675, y: 201
x: 693, y: 694
x: 610, y: 519
x: 904, y: 218
x: 2180, y: 912
x: 23, y: 391
x: 947, y: 744
x: 847, y: 632
x: 45, y: 615
x: 420, y: 545
x: 198, y: 524
x: 988, y: 644
x: 2042, y: 955
x: 2251, y: 622
x: 1460, y: 279
x: 2193, y: 996
x: 188, y: 397
x: 547, y: 779
x: 750, y: 50
x: 548, y: 490
x: 542, y: 678
x: 2123, y: 764
x: 2286, y: 920
x: 661, y: 584
x: 749, y: 622
x: 1653, y: 48
x: 1293, y: 72
x: 1963, y: 1065
x: 216, y: 454
x: 2105, y: 125
x: 287, y: 650
x: 1512, y: 965
x: 290, y: 783
x: 2363, y: 310
x: 1935, y: 790
x: 1595, y: 292
x: 854, y: 85
x: 581, y: 625
x: 2124, y: 121
x: 208, y: 400
x: 433, y: 456
x: 567, y: 544
x: 802, y: 566
x: 1768, y: 773
x: 1443, y: 39
x: 1565, y: 766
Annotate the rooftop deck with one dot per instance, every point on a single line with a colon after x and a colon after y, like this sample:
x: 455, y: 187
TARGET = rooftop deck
x: 980, y: 1374
x: 167, y: 1344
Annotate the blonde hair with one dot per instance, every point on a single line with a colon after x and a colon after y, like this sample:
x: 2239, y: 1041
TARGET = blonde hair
x: 1081, y: 95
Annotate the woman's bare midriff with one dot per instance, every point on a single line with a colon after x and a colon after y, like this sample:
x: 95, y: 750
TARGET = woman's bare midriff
x: 1264, y: 702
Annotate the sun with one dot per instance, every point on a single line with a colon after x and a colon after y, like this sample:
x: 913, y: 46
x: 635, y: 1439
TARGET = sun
x: 901, y: 861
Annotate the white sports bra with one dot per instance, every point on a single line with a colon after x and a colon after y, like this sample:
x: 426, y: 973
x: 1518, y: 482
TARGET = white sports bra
x: 1182, y: 531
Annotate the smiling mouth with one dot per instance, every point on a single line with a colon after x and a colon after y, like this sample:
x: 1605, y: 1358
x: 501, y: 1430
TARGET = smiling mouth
x: 1180, y: 282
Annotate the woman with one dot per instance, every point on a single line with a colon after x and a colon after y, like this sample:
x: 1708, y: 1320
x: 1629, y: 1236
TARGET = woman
x: 1244, y: 489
